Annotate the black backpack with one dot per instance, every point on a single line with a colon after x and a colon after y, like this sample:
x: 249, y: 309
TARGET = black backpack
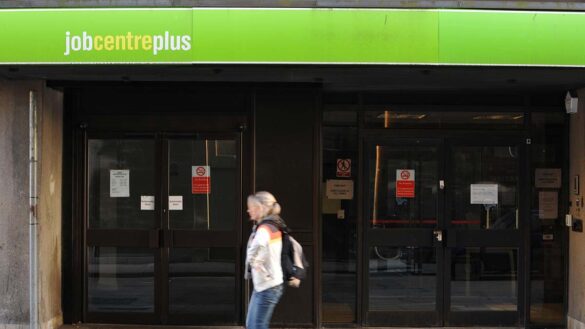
x: 292, y: 271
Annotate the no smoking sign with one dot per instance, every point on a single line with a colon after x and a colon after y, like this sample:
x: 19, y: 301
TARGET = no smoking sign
x: 405, y: 183
x: 200, y: 180
x: 343, y: 168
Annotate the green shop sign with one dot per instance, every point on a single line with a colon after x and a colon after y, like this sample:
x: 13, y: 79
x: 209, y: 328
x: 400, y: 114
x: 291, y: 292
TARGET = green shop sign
x: 295, y: 36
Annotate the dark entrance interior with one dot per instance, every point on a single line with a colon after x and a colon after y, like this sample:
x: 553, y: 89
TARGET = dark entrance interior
x: 437, y: 253
x: 162, y: 228
x: 443, y: 230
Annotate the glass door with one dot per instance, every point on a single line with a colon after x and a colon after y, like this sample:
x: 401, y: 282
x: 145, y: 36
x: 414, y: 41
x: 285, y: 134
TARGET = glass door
x: 163, y: 244
x: 403, y: 260
x: 442, y: 242
x: 202, y: 245
x: 123, y: 260
x: 484, y: 214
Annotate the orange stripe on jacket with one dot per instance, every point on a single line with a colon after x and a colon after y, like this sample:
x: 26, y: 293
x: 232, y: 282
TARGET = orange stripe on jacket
x: 274, y: 233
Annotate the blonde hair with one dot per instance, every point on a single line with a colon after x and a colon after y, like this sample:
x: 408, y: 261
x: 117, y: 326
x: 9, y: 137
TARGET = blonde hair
x: 267, y: 202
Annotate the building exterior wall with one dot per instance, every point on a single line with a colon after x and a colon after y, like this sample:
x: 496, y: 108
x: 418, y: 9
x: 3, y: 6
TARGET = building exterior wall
x: 14, y: 217
x: 14, y: 236
x: 50, y: 173
x: 576, y: 314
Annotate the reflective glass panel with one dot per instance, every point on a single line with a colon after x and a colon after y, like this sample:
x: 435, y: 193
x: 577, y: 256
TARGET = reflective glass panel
x: 120, y: 280
x: 211, y: 207
x: 202, y: 281
x: 402, y: 279
x: 484, y: 279
x: 548, y: 235
x: 397, y: 205
x: 120, y: 172
x: 485, y: 185
x: 339, y: 220
x: 419, y: 119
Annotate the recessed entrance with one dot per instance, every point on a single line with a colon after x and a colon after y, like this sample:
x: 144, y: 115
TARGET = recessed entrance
x: 163, y: 229
x: 442, y: 238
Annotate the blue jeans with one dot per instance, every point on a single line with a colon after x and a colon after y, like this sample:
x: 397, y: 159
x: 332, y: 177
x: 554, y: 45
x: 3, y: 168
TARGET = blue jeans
x: 261, y: 306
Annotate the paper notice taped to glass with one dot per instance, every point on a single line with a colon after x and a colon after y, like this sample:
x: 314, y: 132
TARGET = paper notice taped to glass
x: 484, y: 193
x: 119, y: 183
x: 341, y: 189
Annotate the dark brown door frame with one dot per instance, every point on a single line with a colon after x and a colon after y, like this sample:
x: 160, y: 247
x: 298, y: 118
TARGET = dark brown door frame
x: 93, y: 125
x: 381, y: 134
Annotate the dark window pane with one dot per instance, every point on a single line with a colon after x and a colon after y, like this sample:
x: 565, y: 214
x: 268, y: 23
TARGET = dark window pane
x: 112, y: 162
x: 213, y: 211
x: 339, y: 218
x: 548, y: 234
x: 202, y: 281
x: 120, y: 280
x: 389, y: 206
x: 491, y: 170
x: 484, y: 279
x: 402, y: 279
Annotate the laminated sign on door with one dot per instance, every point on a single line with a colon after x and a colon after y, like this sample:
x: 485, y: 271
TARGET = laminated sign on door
x: 405, y: 183
x: 200, y: 180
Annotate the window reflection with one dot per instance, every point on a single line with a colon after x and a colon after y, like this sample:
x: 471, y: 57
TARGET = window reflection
x: 484, y: 279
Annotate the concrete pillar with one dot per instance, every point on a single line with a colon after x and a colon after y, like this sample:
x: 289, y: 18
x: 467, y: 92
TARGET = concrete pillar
x: 14, y: 204
x: 576, y: 316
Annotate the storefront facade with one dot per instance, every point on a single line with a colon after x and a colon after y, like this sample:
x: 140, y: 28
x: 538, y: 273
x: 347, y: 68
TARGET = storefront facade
x: 421, y: 157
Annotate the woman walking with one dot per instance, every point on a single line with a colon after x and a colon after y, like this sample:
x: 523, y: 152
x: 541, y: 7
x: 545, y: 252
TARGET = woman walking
x: 263, y: 259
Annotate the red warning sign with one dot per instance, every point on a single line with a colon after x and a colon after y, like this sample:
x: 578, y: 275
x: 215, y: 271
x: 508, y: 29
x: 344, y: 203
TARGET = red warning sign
x: 343, y: 167
x: 200, y: 180
x: 405, y: 183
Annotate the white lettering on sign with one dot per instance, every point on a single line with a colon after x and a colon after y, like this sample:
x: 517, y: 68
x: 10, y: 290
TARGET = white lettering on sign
x: 405, y: 183
x: 129, y: 41
x: 339, y: 189
x: 201, y: 180
x: 119, y: 183
x: 484, y: 193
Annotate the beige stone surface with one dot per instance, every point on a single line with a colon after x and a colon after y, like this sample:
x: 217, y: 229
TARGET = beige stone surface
x: 49, y: 216
x: 577, y: 239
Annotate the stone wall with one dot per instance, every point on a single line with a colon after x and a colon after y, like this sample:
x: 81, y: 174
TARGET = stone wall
x: 14, y: 204
x: 576, y: 316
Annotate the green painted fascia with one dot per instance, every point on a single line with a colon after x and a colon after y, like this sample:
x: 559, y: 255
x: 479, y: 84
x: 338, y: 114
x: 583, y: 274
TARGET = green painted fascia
x: 297, y: 36
x: 511, y: 38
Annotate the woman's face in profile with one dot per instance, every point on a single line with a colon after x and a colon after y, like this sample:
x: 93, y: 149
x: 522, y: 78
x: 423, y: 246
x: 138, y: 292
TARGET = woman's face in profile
x: 254, y: 210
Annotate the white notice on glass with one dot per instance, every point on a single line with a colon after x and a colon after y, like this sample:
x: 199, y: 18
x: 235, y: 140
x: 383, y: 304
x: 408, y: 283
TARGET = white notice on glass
x: 119, y: 183
x: 147, y: 202
x: 548, y: 205
x: 547, y: 177
x: 484, y: 194
x: 175, y: 202
x: 339, y: 189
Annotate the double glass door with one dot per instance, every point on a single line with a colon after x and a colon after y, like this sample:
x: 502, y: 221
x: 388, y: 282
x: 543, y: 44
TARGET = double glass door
x: 161, y: 229
x: 442, y: 234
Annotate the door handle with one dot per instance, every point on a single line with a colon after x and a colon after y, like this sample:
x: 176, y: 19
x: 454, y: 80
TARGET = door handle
x: 438, y: 235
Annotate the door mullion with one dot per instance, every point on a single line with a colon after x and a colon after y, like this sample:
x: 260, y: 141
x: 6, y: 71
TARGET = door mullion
x: 163, y: 184
x: 441, y: 250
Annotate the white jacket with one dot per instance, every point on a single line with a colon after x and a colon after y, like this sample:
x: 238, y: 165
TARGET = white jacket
x: 263, y: 256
